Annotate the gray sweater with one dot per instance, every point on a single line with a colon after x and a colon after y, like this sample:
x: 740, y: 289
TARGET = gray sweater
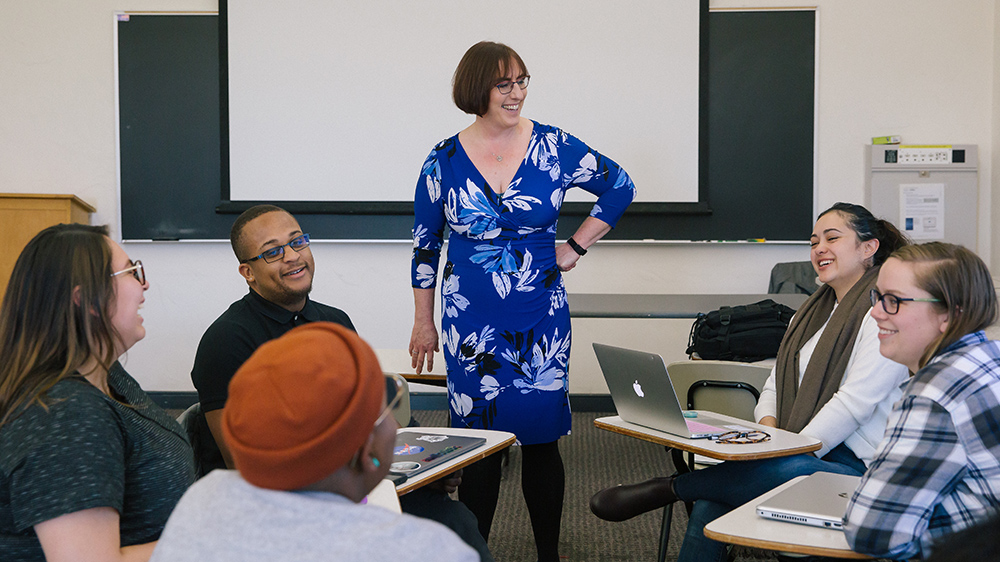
x: 224, y: 518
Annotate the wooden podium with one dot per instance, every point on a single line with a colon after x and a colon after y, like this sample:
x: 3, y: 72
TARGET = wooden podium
x: 23, y: 215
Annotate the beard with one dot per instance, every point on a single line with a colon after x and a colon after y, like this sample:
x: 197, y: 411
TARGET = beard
x: 286, y: 296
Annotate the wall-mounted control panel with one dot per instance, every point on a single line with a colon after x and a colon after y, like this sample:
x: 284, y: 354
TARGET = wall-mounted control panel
x: 930, y: 192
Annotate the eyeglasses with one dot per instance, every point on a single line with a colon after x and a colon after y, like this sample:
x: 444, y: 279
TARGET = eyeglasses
x: 298, y: 244
x: 743, y: 437
x: 507, y: 85
x: 394, y: 390
x: 136, y: 270
x: 890, y: 303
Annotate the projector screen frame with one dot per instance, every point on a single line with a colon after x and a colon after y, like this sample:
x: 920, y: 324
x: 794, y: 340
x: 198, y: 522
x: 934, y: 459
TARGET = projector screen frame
x: 228, y: 206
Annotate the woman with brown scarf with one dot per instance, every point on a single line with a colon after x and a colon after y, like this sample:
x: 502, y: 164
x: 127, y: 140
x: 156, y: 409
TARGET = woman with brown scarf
x: 829, y: 382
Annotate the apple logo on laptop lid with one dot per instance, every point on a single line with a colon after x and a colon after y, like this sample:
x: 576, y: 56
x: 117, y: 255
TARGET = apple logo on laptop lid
x: 638, y: 389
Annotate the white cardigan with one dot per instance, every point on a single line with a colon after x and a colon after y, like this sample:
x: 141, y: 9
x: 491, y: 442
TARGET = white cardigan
x: 856, y: 414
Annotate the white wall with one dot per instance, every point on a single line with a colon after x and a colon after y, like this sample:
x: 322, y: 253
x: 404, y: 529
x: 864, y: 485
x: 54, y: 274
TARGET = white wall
x: 995, y: 154
x: 57, y: 135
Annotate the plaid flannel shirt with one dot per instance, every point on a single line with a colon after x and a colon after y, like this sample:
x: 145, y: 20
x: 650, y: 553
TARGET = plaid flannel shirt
x: 937, y: 469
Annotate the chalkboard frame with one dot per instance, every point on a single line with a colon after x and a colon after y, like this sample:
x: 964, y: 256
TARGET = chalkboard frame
x: 174, y: 150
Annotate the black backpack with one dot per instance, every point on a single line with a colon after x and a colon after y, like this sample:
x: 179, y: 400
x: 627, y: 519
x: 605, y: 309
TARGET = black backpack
x: 749, y: 332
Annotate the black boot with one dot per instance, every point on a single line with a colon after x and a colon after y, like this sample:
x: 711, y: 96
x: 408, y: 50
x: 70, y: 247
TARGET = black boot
x: 626, y: 501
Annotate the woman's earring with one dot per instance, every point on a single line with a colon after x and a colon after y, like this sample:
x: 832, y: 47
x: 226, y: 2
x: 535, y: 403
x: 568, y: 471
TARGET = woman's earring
x: 375, y: 462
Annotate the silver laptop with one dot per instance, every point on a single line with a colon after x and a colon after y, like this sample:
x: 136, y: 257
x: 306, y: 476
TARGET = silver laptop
x: 643, y: 394
x: 418, y: 451
x: 819, y: 500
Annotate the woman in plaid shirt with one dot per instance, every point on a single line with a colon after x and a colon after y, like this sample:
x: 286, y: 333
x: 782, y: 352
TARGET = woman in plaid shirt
x: 938, y: 468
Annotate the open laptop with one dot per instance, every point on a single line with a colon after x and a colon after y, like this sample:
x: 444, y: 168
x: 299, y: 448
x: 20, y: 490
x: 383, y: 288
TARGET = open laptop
x: 418, y: 452
x: 819, y: 500
x: 643, y: 394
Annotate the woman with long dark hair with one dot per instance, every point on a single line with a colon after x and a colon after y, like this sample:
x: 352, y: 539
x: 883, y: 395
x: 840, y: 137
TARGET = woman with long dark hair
x: 90, y: 468
x: 829, y: 382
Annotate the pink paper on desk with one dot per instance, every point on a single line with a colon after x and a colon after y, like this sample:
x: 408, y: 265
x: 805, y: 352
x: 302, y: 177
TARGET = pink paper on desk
x: 698, y: 428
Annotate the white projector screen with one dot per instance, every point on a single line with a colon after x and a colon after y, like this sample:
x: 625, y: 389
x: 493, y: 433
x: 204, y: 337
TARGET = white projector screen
x: 342, y: 101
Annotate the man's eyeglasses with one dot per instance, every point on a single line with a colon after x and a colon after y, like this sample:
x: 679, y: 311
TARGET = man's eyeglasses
x: 891, y: 302
x: 395, y: 388
x: 136, y: 270
x: 507, y: 85
x: 298, y: 244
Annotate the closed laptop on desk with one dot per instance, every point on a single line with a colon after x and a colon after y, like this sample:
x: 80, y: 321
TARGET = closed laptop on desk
x: 417, y: 451
x: 643, y: 394
x: 819, y: 500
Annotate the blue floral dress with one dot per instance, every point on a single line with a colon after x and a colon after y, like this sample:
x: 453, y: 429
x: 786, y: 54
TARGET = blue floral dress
x: 505, y: 324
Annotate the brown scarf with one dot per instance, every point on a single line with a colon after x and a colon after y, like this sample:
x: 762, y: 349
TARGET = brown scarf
x: 798, y: 403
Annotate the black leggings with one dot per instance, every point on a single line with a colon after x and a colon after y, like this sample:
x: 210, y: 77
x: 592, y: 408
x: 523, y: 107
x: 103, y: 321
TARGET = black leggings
x: 542, y: 483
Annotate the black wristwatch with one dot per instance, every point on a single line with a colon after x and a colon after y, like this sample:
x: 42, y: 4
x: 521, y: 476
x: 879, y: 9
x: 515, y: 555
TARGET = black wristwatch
x: 576, y: 247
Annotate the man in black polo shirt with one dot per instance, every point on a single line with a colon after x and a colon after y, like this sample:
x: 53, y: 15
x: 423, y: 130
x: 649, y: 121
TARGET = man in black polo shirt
x: 277, y: 264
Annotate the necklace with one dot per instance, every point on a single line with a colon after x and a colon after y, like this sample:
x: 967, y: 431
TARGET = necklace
x: 497, y: 156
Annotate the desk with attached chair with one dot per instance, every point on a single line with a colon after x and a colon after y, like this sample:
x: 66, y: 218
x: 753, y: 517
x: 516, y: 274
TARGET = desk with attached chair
x: 782, y: 443
x: 744, y: 527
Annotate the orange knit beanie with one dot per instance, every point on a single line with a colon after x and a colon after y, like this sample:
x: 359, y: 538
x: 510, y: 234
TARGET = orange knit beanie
x: 302, y: 406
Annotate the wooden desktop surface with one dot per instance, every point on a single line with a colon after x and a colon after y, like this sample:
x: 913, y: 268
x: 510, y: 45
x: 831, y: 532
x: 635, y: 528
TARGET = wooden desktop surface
x: 782, y: 443
x: 495, y: 440
x: 592, y: 305
x: 744, y: 527
x: 398, y: 361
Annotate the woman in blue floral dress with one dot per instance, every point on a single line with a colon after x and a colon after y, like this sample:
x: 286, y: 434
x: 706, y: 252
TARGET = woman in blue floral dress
x: 505, y: 328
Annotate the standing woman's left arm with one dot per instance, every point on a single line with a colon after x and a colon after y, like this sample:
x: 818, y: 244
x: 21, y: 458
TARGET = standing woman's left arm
x: 586, y: 168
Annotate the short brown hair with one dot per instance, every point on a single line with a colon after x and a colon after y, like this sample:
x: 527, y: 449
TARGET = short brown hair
x: 477, y: 74
x: 961, y: 281
x: 236, y: 232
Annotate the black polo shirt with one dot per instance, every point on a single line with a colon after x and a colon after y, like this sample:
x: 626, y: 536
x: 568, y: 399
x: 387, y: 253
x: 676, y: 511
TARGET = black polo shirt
x: 231, y: 340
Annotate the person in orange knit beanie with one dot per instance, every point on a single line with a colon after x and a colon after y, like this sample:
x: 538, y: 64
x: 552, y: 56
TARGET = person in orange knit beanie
x: 311, y: 434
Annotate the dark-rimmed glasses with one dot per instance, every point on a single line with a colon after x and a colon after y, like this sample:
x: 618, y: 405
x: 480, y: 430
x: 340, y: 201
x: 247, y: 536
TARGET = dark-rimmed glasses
x: 136, y: 270
x: 394, y: 390
x: 743, y: 437
x: 507, y: 85
x: 298, y: 244
x: 890, y: 303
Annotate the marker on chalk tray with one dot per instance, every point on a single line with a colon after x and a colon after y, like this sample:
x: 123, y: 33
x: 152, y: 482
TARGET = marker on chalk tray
x: 756, y: 239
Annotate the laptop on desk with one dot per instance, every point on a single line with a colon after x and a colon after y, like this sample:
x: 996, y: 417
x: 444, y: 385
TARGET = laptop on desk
x: 417, y: 451
x: 643, y: 394
x: 819, y: 500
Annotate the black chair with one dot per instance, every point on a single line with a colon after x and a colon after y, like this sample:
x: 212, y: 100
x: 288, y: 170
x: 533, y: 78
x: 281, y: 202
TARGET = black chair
x: 189, y: 421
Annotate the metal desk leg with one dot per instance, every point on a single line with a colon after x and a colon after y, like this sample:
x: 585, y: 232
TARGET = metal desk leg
x: 665, y: 532
x: 680, y: 467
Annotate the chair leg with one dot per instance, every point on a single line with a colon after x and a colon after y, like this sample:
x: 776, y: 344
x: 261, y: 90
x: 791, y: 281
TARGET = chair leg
x: 680, y: 467
x: 677, y: 458
x: 665, y: 532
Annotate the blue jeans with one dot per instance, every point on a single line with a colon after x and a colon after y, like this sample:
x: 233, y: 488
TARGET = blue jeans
x: 717, y: 490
